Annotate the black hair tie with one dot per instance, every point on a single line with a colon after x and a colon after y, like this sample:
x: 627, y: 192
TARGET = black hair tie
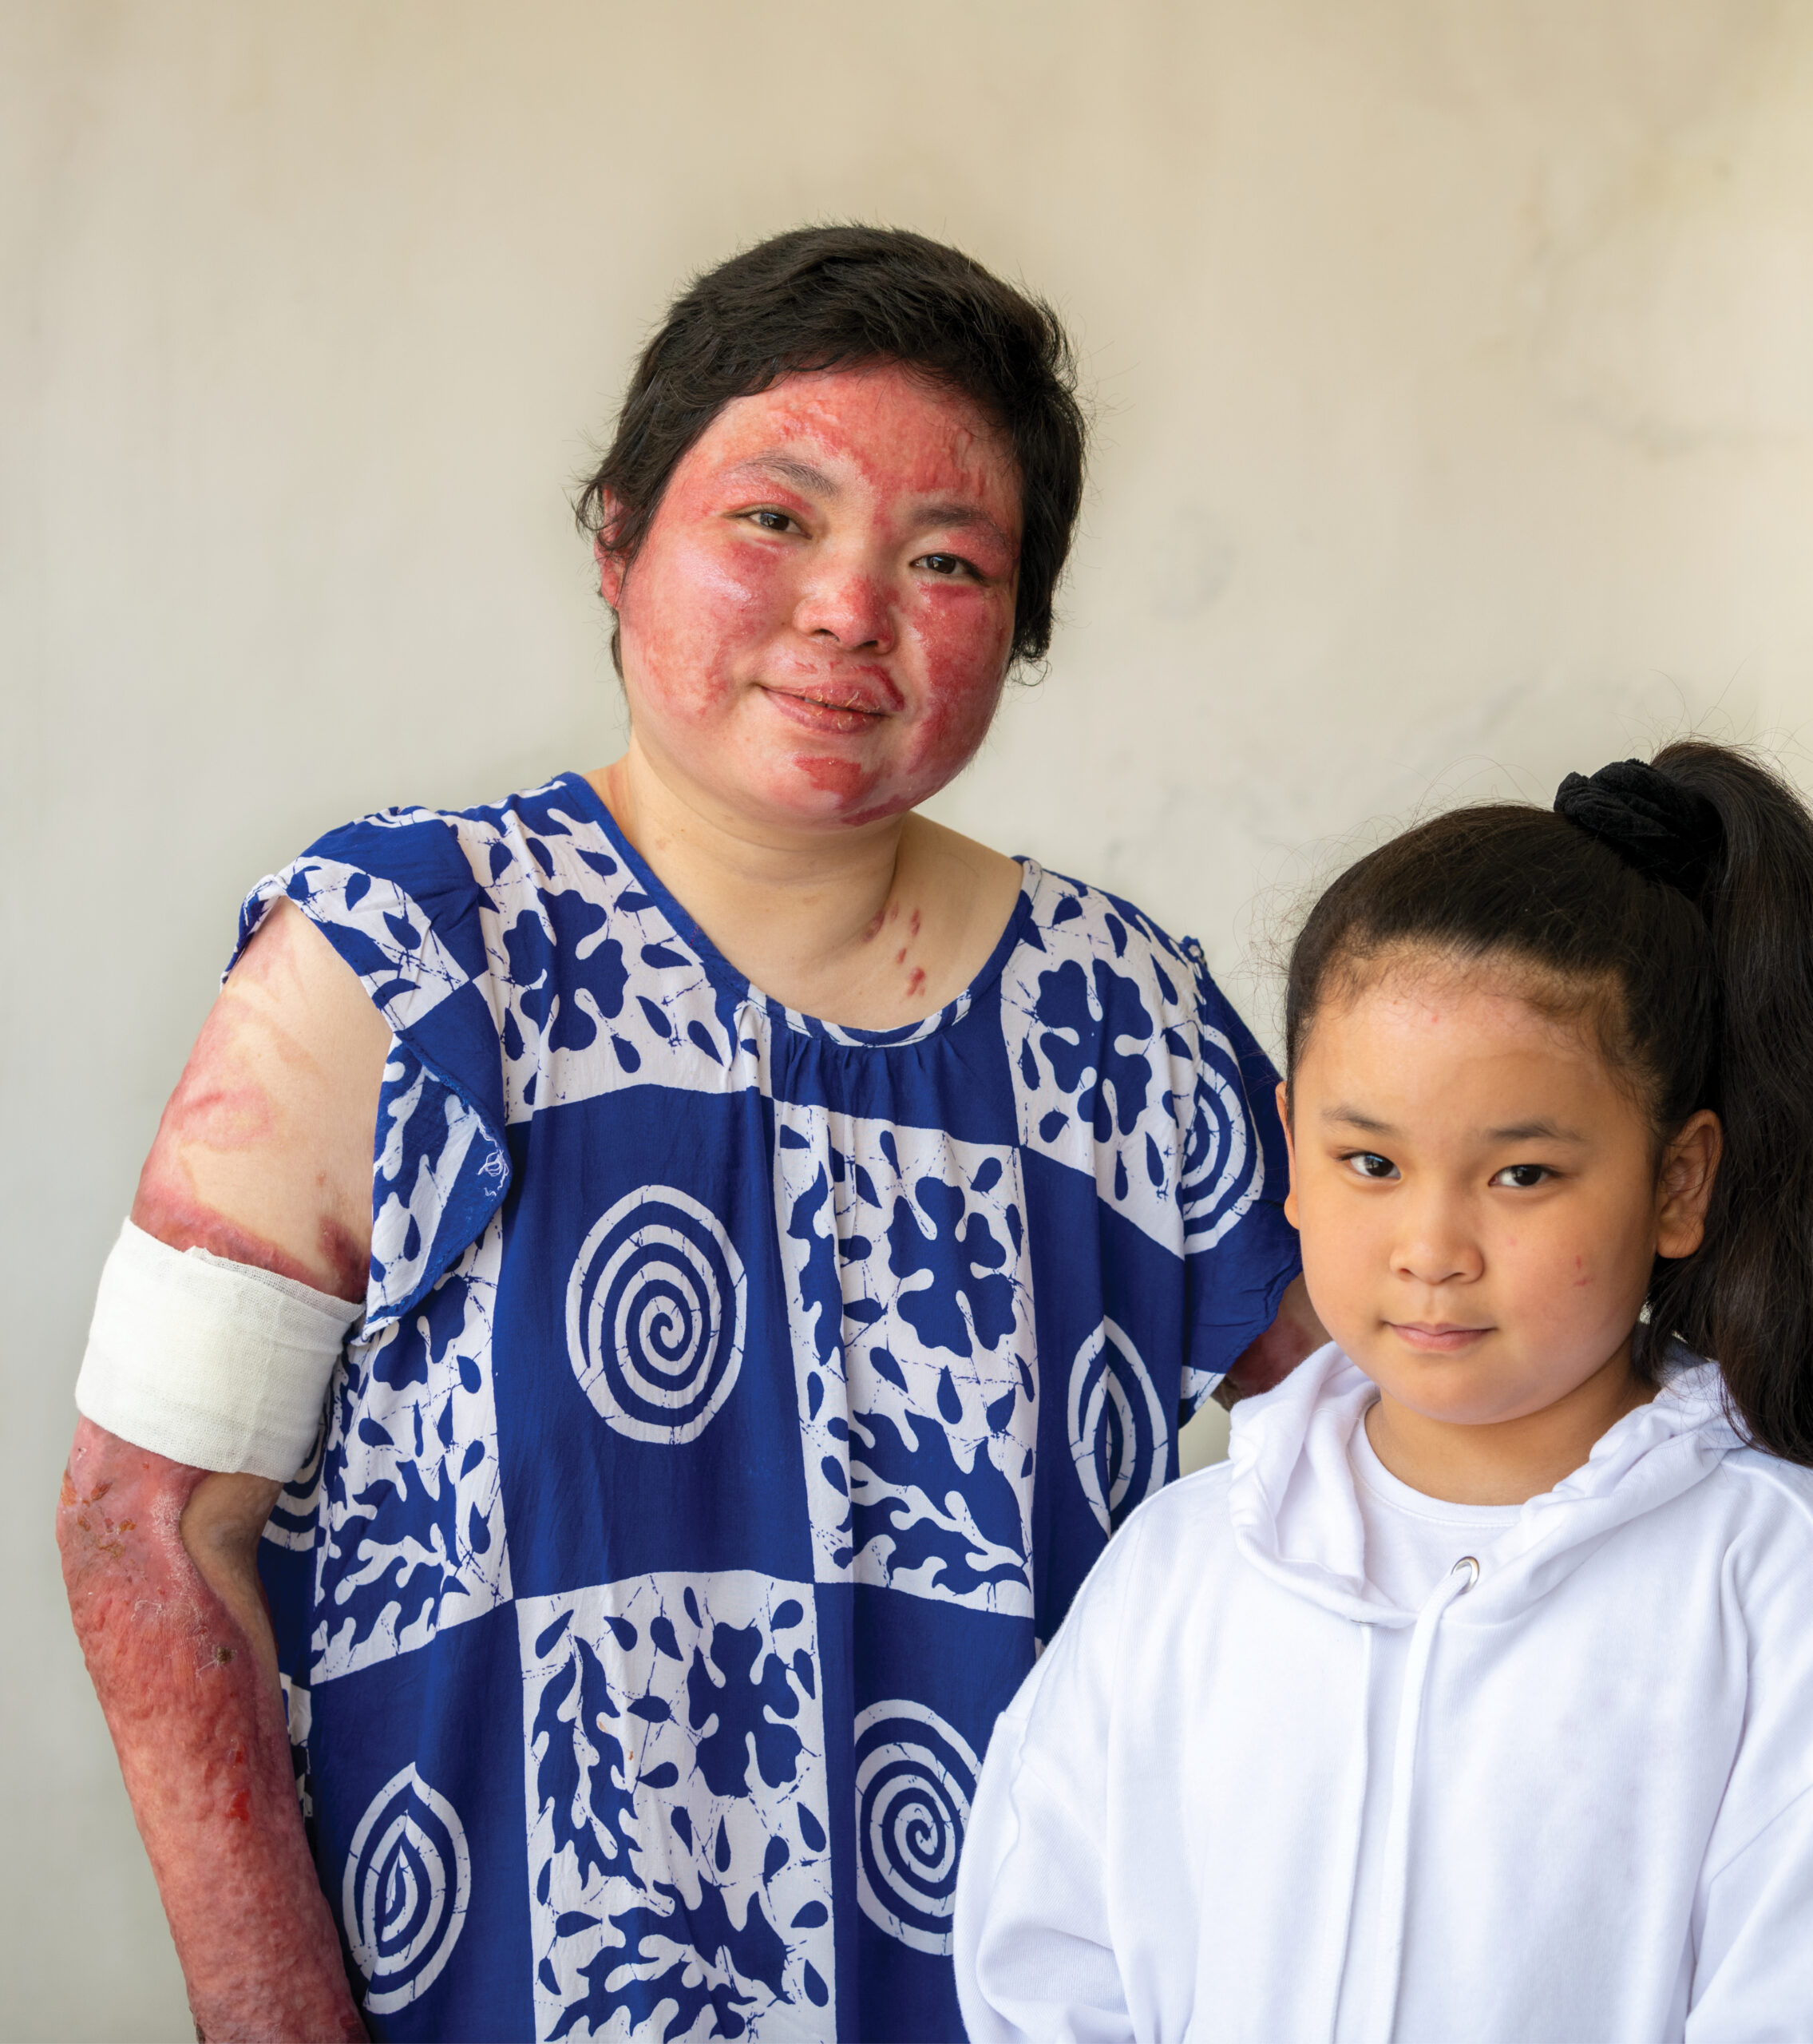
x: 1663, y: 829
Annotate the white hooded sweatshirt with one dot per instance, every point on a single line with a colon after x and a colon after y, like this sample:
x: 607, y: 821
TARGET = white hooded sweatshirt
x: 1569, y: 1799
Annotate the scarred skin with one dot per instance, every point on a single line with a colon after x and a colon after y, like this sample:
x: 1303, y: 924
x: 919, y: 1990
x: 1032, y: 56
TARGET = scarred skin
x: 191, y: 1696
x: 815, y: 636
x: 259, y: 1158
x: 847, y: 548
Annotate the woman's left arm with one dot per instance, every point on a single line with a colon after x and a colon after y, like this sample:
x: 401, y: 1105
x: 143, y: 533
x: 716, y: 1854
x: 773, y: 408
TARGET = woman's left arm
x: 1296, y: 1333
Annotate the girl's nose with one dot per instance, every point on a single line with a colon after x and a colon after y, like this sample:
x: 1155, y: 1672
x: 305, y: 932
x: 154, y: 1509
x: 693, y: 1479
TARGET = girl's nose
x: 1437, y: 1248
x: 847, y: 603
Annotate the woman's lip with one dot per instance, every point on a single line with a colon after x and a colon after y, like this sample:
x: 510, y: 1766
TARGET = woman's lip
x: 1435, y: 1340
x: 819, y: 713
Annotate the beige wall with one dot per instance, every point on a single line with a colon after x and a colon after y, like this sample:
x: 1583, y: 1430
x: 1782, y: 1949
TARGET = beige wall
x: 1454, y: 366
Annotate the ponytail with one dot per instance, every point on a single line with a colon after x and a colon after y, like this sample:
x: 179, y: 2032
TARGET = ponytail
x: 1745, y: 1296
x: 1673, y: 904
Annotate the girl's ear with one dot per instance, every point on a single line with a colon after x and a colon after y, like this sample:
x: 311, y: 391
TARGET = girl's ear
x: 1684, y: 1188
x: 1290, y: 1150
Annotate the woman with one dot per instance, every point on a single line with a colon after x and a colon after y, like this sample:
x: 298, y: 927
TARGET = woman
x: 740, y: 1396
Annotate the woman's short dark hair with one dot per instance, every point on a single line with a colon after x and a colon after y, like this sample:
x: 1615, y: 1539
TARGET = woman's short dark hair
x: 837, y: 297
x: 1702, y: 998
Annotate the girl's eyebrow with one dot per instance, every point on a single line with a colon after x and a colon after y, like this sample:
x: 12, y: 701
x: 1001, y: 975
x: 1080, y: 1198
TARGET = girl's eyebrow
x: 1536, y: 1131
x: 1354, y: 1119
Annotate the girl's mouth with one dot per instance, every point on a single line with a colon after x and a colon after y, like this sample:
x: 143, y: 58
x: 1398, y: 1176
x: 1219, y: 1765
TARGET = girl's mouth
x: 1437, y: 1337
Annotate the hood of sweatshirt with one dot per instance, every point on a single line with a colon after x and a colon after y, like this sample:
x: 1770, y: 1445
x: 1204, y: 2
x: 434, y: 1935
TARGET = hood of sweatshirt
x: 1295, y: 1515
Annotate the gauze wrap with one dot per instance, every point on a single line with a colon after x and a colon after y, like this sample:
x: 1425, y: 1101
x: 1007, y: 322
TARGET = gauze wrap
x: 210, y: 1363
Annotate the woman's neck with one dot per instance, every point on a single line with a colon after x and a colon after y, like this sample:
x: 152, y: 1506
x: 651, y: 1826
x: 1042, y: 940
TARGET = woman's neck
x: 873, y: 928
x: 1507, y: 1461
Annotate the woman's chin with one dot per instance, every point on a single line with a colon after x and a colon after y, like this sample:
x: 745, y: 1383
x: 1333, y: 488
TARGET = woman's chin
x: 812, y: 795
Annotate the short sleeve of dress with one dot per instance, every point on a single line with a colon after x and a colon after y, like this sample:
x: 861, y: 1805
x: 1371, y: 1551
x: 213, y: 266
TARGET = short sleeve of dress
x: 400, y: 899
x: 1240, y: 1251
x: 1135, y: 1076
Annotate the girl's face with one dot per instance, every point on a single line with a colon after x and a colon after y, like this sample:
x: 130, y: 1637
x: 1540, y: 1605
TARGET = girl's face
x: 816, y: 628
x: 1479, y: 1197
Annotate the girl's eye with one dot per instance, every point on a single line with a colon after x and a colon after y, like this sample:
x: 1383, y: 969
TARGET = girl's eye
x: 944, y: 564
x: 1369, y: 1164
x: 1522, y: 1178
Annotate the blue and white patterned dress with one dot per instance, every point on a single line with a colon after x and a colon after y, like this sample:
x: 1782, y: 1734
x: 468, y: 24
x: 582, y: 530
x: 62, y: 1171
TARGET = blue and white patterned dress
x: 739, y: 1401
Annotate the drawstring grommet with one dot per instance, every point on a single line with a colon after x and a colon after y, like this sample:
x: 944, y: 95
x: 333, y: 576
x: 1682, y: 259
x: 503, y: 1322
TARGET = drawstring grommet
x: 1470, y: 1565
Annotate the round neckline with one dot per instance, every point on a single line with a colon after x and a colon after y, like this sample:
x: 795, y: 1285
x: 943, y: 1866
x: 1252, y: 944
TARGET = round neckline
x: 1392, y: 1491
x: 723, y: 973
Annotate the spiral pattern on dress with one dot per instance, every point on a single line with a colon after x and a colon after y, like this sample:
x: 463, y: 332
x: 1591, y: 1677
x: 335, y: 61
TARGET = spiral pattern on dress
x: 405, y: 1891
x: 1224, y: 1169
x: 914, y: 1779
x: 1120, y: 1438
x: 655, y: 1308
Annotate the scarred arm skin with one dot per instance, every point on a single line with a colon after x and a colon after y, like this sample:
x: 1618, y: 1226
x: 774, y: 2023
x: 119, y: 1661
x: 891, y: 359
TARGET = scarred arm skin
x: 264, y: 1155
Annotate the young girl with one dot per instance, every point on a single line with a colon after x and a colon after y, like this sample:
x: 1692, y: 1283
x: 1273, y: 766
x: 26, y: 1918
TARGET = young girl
x: 1473, y: 1697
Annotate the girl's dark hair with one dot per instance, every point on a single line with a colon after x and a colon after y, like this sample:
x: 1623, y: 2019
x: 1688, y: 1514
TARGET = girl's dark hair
x: 836, y: 297
x: 1702, y: 995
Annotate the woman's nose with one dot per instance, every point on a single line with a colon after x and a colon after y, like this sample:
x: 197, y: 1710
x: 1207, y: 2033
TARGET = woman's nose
x: 846, y: 601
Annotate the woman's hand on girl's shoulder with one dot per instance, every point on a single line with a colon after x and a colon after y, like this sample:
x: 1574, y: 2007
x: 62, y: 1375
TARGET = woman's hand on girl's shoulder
x: 264, y: 1152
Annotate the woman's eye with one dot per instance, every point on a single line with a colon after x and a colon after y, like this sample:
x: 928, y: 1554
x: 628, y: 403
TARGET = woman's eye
x: 1522, y: 1178
x: 944, y: 564
x: 773, y: 521
x: 1369, y: 1164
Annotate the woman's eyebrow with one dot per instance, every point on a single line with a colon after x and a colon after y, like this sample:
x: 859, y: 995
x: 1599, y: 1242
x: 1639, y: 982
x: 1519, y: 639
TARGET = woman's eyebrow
x: 960, y: 516
x: 813, y: 481
x: 802, y: 475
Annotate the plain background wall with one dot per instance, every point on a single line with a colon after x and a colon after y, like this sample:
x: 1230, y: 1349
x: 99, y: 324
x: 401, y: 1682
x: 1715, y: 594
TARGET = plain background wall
x: 1454, y: 367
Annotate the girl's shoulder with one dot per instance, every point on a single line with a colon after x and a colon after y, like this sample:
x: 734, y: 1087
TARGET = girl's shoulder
x: 1749, y: 1526
x: 1773, y: 1500
x: 1169, y: 1551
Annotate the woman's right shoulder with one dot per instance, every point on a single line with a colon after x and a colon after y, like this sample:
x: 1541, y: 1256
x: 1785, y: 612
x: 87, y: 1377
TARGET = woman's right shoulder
x: 422, y: 902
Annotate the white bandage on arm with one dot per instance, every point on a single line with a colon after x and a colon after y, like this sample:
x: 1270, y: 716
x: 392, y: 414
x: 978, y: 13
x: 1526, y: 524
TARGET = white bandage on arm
x: 213, y: 1363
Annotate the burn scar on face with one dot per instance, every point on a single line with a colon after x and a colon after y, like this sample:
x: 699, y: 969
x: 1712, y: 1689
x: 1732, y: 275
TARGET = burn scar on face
x: 818, y: 624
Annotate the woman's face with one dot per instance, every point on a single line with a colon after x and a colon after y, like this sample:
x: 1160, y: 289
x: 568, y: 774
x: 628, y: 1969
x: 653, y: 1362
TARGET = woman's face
x: 816, y: 628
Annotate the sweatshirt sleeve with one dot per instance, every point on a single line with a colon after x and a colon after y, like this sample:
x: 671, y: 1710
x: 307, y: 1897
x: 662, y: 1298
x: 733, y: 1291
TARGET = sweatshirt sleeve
x: 1753, y: 1972
x: 1034, y: 1949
